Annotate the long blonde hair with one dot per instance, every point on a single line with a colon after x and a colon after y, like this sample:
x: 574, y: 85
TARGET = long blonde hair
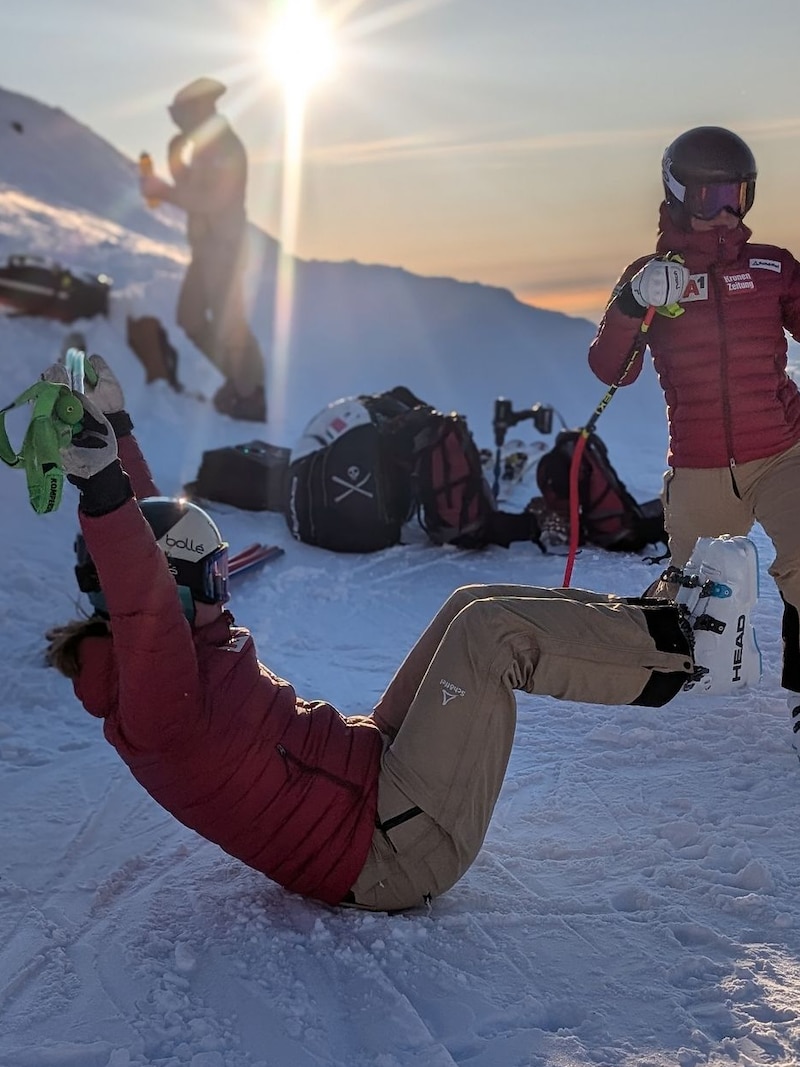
x: 64, y: 642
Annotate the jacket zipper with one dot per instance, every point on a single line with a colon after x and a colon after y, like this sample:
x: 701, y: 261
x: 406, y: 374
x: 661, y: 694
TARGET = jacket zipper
x: 724, y: 383
x: 342, y: 782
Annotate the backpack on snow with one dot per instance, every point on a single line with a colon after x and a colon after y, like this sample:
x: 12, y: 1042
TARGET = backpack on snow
x: 348, y: 484
x: 32, y: 285
x: 365, y: 464
x: 609, y: 516
x: 455, y: 503
x: 150, y: 343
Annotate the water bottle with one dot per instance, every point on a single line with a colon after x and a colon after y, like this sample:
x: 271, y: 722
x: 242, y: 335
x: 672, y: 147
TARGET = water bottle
x: 145, y: 169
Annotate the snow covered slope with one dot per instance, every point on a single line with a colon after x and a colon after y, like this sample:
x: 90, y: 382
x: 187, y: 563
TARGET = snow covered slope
x: 638, y: 899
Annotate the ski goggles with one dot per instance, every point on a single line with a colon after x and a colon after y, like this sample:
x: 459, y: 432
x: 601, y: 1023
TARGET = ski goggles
x: 215, y: 577
x: 707, y: 201
x: 207, y: 578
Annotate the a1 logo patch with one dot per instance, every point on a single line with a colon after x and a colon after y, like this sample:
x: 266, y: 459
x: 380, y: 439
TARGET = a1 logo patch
x: 696, y: 288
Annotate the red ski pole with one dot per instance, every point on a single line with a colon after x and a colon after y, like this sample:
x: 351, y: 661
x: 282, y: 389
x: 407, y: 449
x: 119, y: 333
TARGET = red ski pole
x: 583, y: 435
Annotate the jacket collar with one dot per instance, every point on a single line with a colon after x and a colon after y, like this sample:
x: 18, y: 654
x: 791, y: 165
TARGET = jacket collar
x: 711, y: 246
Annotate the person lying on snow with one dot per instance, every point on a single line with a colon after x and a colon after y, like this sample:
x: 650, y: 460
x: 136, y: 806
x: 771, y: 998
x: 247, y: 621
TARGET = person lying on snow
x: 383, y: 811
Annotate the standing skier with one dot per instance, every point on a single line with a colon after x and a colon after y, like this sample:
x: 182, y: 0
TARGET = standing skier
x: 208, y: 164
x: 720, y: 352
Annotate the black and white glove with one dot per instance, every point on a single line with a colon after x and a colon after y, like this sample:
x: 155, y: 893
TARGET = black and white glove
x: 91, y: 450
x: 659, y: 283
x: 90, y: 459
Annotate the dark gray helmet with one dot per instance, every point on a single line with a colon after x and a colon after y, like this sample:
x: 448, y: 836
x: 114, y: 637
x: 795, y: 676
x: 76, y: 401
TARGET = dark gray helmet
x: 708, y: 170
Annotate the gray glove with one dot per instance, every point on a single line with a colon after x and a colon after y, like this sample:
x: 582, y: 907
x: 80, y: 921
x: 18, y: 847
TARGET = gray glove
x: 659, y: 283
x: 91, y: 450
x: 106, y: 394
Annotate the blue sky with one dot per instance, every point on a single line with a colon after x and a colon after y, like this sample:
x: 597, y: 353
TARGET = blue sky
x: 515, y: 143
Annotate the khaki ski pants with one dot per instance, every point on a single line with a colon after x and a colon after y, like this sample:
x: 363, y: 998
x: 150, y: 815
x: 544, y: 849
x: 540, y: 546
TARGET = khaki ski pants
x: 707, y: 502
x: 451, y: 712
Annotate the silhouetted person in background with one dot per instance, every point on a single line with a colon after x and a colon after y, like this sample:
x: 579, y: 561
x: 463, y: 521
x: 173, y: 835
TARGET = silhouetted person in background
x: 208, y: 164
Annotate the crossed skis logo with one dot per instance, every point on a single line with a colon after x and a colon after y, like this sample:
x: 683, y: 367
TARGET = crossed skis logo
x: 354, y: 483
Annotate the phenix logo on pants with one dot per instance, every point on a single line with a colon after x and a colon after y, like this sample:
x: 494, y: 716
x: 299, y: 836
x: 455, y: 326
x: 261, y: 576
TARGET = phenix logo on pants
x: 450, y: 691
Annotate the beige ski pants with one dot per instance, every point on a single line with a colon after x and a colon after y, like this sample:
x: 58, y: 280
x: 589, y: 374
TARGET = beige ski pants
x: 451, y: 712
x: 707, y: 502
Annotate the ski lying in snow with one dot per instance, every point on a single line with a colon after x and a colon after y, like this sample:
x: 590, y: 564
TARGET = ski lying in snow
x: 252, y: 556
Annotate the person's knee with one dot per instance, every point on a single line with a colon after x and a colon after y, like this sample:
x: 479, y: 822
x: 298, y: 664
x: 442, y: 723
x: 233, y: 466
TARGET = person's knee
x: 465, y: 594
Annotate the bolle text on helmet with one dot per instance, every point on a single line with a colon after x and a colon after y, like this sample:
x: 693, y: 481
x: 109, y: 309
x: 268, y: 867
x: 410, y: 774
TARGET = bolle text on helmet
x: 186, y: 543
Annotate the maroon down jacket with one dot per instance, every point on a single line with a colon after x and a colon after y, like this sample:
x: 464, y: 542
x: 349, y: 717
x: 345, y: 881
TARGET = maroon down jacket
x: 286, y: 786
x: 722, y: 363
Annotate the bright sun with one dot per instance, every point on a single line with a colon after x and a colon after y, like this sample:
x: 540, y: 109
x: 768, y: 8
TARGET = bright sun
x: 299, y: 48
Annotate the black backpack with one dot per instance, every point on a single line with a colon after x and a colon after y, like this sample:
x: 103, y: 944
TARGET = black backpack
x: 349, y: 482
x: 609, y: 516
x: 364, y: 465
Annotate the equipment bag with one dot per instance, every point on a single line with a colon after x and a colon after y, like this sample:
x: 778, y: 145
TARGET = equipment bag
x: 349, y: 482
x: 609, y: 516
x: 366, y: 464
x: 455, y: 503
x: 31, y: 285
x: 149, y: 341
x: 251, y: 476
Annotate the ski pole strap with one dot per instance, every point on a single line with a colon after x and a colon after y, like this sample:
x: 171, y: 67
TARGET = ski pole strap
x: 55, y: 418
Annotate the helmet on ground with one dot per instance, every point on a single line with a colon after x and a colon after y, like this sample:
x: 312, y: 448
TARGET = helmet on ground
x: 189, y: 538
x: 705, y: 171
x: 206, y: 89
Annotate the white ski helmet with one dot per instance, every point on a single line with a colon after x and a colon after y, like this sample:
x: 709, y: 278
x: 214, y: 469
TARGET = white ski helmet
x: 190, y: 540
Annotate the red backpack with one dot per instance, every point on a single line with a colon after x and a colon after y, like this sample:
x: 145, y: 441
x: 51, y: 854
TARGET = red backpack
x: 455, y: 504
x: 609, y: 516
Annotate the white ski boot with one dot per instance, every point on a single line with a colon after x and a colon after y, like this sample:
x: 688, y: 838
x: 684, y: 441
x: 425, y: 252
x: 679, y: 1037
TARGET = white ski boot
x: 718, y: 588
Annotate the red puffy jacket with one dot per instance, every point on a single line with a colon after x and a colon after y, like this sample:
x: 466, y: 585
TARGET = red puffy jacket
x: 287, y: 786
x: 722, y: 363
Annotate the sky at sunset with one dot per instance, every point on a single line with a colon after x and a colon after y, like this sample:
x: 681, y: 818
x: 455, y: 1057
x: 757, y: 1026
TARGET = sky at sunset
x: 513, y: 142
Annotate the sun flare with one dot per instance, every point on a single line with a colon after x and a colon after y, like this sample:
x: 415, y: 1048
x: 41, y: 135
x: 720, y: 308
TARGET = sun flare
x: 300, y: 48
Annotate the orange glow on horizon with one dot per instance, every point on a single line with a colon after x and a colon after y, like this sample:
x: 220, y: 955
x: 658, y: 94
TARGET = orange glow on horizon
x: 584, y: 303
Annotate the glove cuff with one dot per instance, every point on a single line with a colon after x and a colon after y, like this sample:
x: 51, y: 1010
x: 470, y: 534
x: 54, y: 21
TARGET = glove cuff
x: 627, y: 303
x: 121, y: 423
x: 105, y: 491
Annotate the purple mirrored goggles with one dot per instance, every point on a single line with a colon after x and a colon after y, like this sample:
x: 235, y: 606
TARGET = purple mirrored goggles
x: 707, y: 201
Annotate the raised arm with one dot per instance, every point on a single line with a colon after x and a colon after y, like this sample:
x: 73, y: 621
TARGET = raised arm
x: 158, y: 683
x: 106, y: 393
